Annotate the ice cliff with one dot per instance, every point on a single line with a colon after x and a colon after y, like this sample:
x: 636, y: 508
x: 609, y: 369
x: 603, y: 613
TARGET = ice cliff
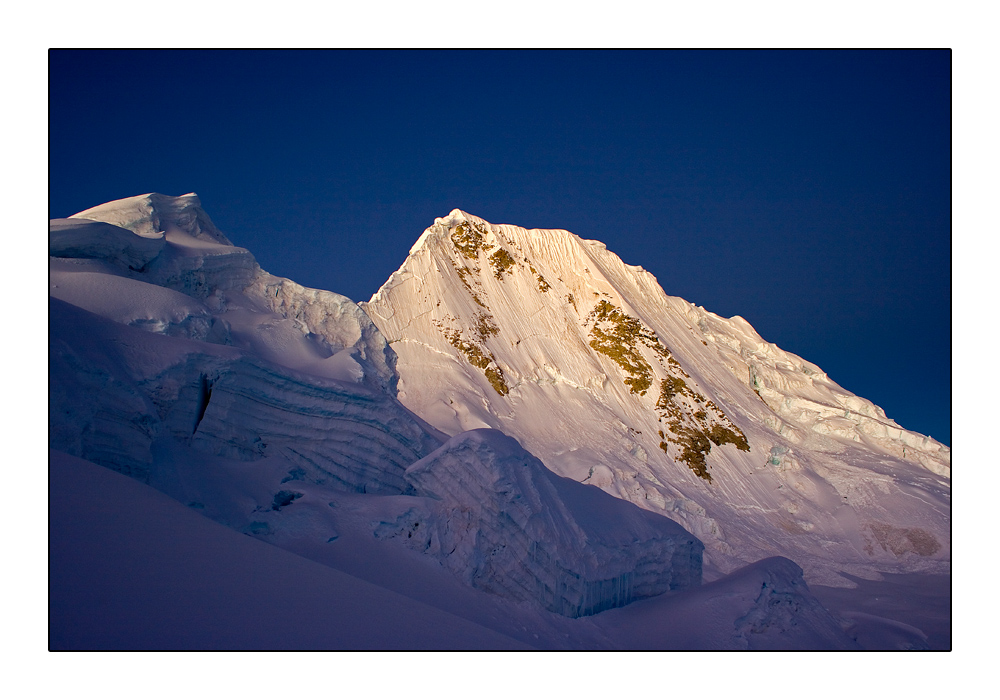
x: 508, y: 525
x: 190, y: 339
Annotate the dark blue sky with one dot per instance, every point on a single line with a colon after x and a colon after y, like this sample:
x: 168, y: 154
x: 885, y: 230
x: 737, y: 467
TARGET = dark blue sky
x: 809, y: 192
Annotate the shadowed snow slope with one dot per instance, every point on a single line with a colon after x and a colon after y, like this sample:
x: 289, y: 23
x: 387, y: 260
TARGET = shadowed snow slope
x: 76, y: 238
x: 133, y: 569
x: 595, y: 370
x: 510, y: 526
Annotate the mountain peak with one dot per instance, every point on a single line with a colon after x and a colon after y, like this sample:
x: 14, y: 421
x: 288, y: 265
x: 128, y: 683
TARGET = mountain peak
x: 554, y: 340
x: 455, y: 217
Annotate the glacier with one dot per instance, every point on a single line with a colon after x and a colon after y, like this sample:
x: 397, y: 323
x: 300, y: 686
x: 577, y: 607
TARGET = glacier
x: 253, y: 398
x: 517, y: 429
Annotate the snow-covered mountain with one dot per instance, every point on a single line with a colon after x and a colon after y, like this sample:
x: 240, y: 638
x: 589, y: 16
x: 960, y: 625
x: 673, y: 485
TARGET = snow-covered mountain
x: 596, y: 371
x: 518, y: 434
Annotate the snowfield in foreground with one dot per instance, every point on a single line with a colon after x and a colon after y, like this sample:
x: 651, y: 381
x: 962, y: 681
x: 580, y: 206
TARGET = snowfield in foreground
x: 192, y: 583
x: 378, y: 476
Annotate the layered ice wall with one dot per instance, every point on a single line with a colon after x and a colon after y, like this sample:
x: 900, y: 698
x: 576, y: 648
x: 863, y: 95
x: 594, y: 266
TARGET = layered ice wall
x: 508, y: 525
x: 350, y: 436
x: 96, y: 411
x: 116, y: 391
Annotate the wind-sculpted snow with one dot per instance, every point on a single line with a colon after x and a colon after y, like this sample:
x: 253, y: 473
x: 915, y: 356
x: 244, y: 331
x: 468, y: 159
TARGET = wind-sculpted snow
x: 595, y: 370
x: 333, y: 318
x: 82, y: 238
x: 151, y: 215
x: 277, y: 410
x: 803, y: 398
x: 508, y: 525
x: 196, y: 259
